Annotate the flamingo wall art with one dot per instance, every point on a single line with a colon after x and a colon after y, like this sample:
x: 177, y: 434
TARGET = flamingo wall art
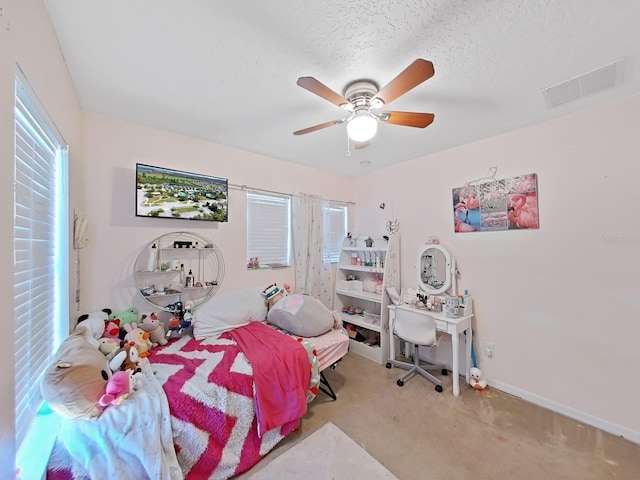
x: 507, y: 204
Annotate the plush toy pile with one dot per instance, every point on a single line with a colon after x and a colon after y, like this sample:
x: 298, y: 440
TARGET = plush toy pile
x: 95, y: 366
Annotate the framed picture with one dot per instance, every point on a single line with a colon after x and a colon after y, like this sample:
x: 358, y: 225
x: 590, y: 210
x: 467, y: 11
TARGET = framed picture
x: 508, y: 204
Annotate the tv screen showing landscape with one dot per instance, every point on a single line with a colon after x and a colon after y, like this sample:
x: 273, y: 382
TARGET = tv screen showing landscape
x: 167, y: 193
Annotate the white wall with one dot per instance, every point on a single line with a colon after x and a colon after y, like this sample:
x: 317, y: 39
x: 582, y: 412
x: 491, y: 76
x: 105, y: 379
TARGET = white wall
x: 113, y: 147
x: 27, y: 37
x: 558, y: 302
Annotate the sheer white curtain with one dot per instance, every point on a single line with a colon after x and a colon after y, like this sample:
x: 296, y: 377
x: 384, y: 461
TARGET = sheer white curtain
x: 313, y: 275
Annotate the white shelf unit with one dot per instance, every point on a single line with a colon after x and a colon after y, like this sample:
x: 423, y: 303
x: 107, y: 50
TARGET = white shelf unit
x: 161, y: 283
x: 372, y: 339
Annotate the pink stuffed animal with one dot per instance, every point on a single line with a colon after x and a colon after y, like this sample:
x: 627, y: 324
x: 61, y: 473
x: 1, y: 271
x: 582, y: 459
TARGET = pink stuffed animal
x: 151, y: 323
x: 121, y: 385
x: 112, y: 329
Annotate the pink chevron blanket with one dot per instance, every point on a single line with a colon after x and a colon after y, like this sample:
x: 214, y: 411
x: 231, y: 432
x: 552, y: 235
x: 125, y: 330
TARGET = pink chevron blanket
x: 281, y: 374
x: 209, y: 385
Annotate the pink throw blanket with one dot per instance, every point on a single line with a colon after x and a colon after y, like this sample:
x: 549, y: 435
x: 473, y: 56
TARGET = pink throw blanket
x: 281, y: 374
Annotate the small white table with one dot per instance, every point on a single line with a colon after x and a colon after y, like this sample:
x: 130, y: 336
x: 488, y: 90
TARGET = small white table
x: 452, y: 326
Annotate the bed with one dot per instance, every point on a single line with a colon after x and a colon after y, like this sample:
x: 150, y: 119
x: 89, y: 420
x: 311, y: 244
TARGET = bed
x: 204, y: 414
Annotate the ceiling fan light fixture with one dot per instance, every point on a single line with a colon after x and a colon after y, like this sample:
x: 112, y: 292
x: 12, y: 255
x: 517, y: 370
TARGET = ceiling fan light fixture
x: 362, y: 127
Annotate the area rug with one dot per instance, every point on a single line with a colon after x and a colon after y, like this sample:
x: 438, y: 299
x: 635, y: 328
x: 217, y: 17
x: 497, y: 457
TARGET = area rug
x: 328, y: 453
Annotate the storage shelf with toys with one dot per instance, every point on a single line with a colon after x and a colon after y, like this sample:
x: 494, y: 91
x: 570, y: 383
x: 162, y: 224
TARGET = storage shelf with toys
x: 178, y: 264
x: 368, y: 265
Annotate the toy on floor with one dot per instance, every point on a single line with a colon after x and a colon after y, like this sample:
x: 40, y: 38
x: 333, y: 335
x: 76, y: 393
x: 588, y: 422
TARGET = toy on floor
x: 477, y: 380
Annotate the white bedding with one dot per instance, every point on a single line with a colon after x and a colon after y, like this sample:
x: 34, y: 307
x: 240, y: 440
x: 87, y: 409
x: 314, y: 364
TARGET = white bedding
x: 142, y: 423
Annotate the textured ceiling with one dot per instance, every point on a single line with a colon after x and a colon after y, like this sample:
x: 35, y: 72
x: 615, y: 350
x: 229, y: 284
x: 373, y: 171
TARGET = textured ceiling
x: 226, y: 71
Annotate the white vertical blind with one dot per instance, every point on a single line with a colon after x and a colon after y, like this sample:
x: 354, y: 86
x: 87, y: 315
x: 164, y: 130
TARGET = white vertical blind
x: 40, y: 268
x: 269, y: 228
x: 335, y: 229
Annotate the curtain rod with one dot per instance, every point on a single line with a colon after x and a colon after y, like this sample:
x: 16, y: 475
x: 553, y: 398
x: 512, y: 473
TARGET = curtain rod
x: 245, y: 187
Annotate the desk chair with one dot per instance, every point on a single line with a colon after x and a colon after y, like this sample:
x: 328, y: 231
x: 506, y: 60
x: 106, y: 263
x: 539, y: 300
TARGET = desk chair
x: 419, y: 330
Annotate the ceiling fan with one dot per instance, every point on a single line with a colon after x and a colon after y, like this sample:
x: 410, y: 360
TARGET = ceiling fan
x: 364, y: 101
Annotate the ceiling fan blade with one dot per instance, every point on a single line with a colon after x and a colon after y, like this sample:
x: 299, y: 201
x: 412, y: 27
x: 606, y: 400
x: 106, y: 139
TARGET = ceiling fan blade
x: 360, y: 145
x: 318, y: 127
x: 410, y: 119
x: 412, y: 76
x: 320, y: 89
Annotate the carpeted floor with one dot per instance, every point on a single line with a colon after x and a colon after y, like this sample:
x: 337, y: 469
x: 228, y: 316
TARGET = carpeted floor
x: 328, y: 453
x: 417, y: 433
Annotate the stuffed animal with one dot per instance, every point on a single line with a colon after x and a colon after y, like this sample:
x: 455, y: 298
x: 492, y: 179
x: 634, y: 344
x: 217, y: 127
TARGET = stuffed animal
x: 76, y: 379
x: 139, y: 337
x: 152, y: 324
x: 108, y: 347
x: 129, y: 315
x: 127, y: 358
x: 112, y: 329
x: 121, y: 385
x: 301, y: 315
x: 273, y: 293
x: 477, y: 380
x: 187, y: 316
x: 93, y: 326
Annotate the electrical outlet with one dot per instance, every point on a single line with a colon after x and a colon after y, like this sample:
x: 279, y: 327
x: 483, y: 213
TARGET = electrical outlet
x: 489, y: 348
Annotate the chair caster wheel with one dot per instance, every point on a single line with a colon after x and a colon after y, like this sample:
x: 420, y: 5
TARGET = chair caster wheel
x: 438, y: 389
x: 400, y: 383
x: 445, y: 371
x: 388, y: 365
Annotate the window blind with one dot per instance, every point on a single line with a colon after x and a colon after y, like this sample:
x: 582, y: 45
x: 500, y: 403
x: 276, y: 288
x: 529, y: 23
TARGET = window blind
x: 40, y: 258
x: 335, y: 230
x: 269, y: 228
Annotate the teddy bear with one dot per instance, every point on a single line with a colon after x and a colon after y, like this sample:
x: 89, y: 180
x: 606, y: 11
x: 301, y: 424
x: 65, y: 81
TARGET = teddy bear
x: 108, y: 347
x: 152, y: 324
x: 121, y: 385
x: 139, y: 337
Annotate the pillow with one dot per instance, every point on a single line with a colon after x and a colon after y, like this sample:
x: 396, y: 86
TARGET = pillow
x: 301, y: 315
x: 229, y: 310
x: 73, y: 384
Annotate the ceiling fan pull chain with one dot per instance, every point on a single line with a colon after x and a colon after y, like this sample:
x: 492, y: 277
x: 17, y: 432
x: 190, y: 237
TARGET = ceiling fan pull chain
x: 348, y: 150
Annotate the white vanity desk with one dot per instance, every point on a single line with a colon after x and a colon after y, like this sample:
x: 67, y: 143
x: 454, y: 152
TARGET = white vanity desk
x: 452, y: 326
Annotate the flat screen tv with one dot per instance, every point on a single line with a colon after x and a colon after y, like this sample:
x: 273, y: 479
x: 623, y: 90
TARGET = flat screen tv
x: 167, y: 193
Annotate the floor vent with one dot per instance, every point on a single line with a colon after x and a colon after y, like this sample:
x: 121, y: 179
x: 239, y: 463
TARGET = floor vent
x: 588, y: 83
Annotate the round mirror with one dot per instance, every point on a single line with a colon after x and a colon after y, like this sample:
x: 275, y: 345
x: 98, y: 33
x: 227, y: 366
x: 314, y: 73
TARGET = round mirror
x: 434, y: 269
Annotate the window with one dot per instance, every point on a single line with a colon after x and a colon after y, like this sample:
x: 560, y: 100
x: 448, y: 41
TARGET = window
x: 269, y: 228
x: 335, y: 230
x: 40, y: 251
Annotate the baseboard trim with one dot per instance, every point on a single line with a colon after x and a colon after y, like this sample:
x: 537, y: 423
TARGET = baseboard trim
x: 614, y: 429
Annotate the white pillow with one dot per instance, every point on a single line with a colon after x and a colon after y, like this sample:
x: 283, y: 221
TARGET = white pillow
x: 229, y: 310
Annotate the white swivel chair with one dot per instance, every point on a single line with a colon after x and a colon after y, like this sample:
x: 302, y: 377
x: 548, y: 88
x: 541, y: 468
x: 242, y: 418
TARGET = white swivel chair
x: 419, y: 330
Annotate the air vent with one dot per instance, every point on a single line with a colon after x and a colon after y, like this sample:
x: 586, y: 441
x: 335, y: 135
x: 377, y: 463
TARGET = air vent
x: 588, y: 83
